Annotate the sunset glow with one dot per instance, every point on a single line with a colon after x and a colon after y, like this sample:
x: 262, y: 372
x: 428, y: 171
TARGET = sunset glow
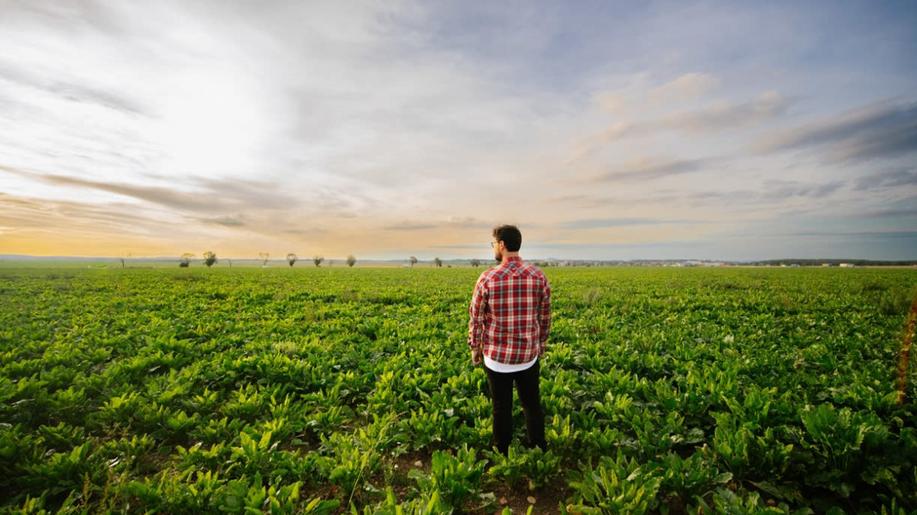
x: 605, y: 131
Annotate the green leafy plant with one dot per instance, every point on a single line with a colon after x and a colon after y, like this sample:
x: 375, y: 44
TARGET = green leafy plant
x: 454, y: 477
x: 618, y: 485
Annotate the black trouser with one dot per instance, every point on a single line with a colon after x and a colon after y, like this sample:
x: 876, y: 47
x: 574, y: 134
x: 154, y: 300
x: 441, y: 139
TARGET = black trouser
x: 501, y: 394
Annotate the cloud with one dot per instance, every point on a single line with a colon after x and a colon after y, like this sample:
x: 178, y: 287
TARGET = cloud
x: 654, y: 169
x: 410, y: 226
x: 637, y: 96
x: 769, y: 198
x: 225, y: 221
x: 770, y: 191
x: 715, y: 117
x: 467, y: 221
x: 597, y: 223
x: 891, y: 178
x: 902, y: 208
x: 214, y: 195
x: 779, y: 189
x: 454, y: 222
x: 309, y: 232
x: 881, y: 130
x: 460, y: 246
x: 604, y: 245
x: 893, y: 213
x: 73, y: 91
x: 592, y: 201
x: 26, y: 214
x: 685, y: 87
x: 725, y: 115
x: 877, y: 234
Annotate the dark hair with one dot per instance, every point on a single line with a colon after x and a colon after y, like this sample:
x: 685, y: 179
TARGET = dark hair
x: 510, y: 236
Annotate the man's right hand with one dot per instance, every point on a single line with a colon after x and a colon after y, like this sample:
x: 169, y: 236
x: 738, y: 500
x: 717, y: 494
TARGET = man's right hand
x: 477, y: 356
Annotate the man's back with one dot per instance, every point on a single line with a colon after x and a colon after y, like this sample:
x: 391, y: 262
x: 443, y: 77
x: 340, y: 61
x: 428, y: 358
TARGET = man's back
x: 510, y: 312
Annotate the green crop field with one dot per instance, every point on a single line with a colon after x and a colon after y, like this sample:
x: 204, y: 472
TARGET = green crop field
x: 314, y: 390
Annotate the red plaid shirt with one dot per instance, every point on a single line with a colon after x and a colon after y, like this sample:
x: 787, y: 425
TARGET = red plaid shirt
x: 510, y: 312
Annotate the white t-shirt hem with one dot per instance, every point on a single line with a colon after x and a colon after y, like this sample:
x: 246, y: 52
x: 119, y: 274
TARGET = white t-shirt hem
x: 496, y: 366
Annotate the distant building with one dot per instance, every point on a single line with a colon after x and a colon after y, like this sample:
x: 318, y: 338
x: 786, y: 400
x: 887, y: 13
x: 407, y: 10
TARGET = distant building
x: 846, y: 265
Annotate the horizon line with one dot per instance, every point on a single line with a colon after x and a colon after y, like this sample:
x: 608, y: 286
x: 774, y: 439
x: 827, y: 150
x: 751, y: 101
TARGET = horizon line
x: 13, y: 257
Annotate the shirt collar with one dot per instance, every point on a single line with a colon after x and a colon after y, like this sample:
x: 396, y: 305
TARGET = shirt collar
x: 511, y: 259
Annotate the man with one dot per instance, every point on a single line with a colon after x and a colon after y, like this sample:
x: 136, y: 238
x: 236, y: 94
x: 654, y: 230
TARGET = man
x: 510, y: 316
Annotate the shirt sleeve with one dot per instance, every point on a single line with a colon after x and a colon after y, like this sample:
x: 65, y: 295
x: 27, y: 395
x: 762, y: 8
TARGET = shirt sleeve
x: 544, y: 316
x: 476, y: 314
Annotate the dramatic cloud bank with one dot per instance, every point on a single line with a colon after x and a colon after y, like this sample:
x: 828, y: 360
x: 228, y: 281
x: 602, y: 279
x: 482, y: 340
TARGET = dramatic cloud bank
x: 655, y: 130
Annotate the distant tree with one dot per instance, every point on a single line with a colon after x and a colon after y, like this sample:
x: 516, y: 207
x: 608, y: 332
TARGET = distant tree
x: 230, y: 262
x: 351, y: 260
x: 438, y: 262
x: 291, y: 258
x: 413, y: 261
x: 264, y: 256
x: 475, y: 263
x: 317, y: 260
x: 209, y: 258
x: 185, y: 260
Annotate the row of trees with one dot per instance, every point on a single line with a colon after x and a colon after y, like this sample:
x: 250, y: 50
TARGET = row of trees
x: 317, y: 260
x: 210, y: 258
x: 439, y: 262
x: 436, y: 261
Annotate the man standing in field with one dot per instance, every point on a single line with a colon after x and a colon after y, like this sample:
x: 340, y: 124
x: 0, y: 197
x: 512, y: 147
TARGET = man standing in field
x: 510, y: 316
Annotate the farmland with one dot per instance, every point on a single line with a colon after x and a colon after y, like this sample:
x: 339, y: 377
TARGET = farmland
x: 325, y: 390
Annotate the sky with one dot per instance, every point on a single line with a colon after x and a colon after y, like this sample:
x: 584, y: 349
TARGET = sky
x: 603, y: 130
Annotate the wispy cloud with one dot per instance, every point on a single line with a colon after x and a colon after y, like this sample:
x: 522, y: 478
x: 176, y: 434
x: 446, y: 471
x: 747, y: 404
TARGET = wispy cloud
x: 886, y: 129
x: 778, y: 189
x: 454, y: 222
x: 904, y: 209
x: 687, y: 87
x: 410, y: 226
x: 629, y: 101
x: 725, y: 115
x: 892, y: 178
x: 715, y: 117
x: 600, y: 223
x: 879, y: 234
x: 773, y: 193
x: 71, y: 90
x: 213, y: 194
x: 25, y: 212
x: 654, y: 169
x: 225, y: 221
